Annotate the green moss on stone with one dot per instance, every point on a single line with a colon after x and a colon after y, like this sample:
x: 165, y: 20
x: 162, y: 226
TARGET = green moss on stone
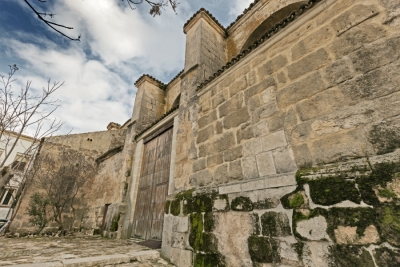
x: 299, y: 248
x: 242, y: 204
x: 386, y: 193
x: 297, y: 201
x: 268, y: 203
x: 176, y: 207
x: 200, y: 240
x: 382, y: 173
x: 384, y: 138
x: 208, y: 222
x: 208, y: 260
x: 114, y: 223
x: 386, y: 257
x: 349, y: 256
x: 256, y: 224
x: 199, y: 203
x: 275, y: 224
x: 167, y: 204
x: 358, y: 217
x: 333, y: 190
x: 96, y: 232
x: 196, y: 231
x: 389, y: 225
x: 263, y: 249
x: 298, y: 216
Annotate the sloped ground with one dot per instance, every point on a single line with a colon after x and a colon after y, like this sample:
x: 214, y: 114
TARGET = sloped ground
x: 76, y: 251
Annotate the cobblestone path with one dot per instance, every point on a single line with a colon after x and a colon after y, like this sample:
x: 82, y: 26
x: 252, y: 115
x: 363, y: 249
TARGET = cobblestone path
x: 76, y: 251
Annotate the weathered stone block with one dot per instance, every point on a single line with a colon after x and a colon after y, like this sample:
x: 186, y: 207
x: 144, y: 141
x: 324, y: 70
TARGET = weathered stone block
x: 300, y: 133
x: 284, y: 160
x: 235, y: 170
x: 265, y: 164
x: 214, y: 160
x: 281, y: 76
x: 309, y: 43
x: 322, y: 103
x: 275, y: 224
x: 218, y: 99
x: 219, y: 127
x: 302, y: 89
x: 276, y: 121
x: 274, y: 140
x: 254, y: 185
x: 377, y: 83
x: 340, y: 146
x: 244, y: 133
x: 226, y: 141
x: 356, y: 38
x: 290, y: 118
x: 207, y: 119
x: 272, y: 66
x: 237, y: 86
x: 302, y: 155
x: 178, y: 240
x: 338, y: 72
x: 199, y: 164
x: 313, y: 229
x: 231, y: 105
x: 376, y: 54
x: 221, y: 174
x: 308, y: 64
x: 203, y: 178
x: 205, y: 134
x: 255, y: 102
x: 181, y: 257
x: 236, y: 118
x: 232, y: 154
x: 253, y: 147
x: 229, y: 189
x: 180, y: 224
x: 258, y: 88
x: 264, y: 111
x: 249, y: 167
x: 353, y: 17
x: 242, y: 71
x: 261, y: 129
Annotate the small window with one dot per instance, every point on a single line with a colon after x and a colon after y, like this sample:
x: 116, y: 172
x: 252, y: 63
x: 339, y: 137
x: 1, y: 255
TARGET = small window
x: 18, y: 166
x: 7, y: 197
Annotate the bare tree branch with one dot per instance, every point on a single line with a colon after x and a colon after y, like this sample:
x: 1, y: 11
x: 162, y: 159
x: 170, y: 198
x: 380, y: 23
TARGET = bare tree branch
x: 20, y: 111
x: 155, y: 10
x: 50, y: 24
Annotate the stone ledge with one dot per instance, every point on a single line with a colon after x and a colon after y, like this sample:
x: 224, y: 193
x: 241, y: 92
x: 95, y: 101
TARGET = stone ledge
x: 270, y: 181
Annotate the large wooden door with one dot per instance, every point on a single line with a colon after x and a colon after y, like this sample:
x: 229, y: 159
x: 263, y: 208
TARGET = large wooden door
x: 153, y: 187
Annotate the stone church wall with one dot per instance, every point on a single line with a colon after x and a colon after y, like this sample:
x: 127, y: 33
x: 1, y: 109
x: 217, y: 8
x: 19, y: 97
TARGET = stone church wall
x: 289, y: 157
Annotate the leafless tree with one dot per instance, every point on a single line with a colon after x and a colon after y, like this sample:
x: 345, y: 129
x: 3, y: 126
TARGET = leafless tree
x: 61, y: 178
x: 155, y: 9
x: 22, y: 110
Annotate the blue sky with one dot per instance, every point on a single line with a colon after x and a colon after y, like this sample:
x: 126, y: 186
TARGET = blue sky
x: 117, y: 46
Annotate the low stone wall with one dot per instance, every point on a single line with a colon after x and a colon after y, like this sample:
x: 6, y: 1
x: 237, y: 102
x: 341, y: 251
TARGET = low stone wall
x: 343, y: 214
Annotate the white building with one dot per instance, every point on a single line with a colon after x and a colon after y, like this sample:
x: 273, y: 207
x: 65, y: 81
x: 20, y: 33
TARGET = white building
x: 17, y: 163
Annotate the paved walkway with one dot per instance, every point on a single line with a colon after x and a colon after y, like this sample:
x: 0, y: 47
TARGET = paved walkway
x: 76, y: 251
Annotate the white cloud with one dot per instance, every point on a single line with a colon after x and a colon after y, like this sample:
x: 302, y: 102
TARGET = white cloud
x: 118, y: 45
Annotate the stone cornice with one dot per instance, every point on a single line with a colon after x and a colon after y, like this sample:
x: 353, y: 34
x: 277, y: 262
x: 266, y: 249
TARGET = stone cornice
x: 207, y: 16
x: 150, y: 79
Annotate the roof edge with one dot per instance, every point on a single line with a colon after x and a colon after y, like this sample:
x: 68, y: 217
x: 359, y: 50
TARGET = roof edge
x: 207, y: 13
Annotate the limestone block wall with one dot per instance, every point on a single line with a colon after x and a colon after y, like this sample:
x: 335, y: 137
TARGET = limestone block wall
x: 322, y: 92
x: 172, y: 92
x: 106, y: 187
x: 149, y: 102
